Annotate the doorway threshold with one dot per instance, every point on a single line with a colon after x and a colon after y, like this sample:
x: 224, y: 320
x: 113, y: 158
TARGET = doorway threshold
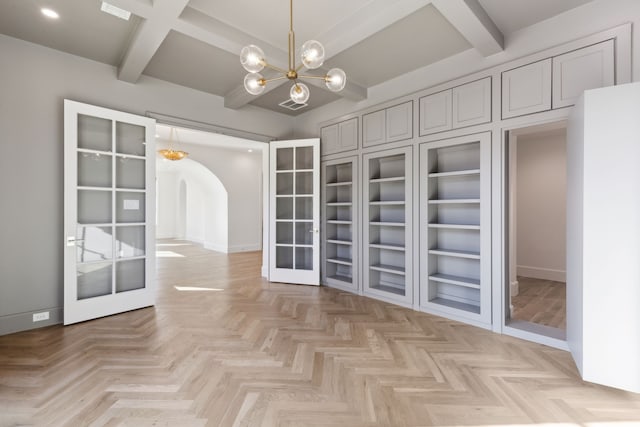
x: 552, y: 337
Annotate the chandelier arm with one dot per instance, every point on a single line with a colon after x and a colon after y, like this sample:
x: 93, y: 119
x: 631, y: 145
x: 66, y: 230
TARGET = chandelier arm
x: 274, y: 79
x: 292, y: 39
x: 273, y: 67
x: 300, y: 67
x: 314, y: 77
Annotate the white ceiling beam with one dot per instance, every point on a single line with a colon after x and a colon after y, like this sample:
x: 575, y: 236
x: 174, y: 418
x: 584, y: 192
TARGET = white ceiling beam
x: 474, y: 24
x: 149, y: 37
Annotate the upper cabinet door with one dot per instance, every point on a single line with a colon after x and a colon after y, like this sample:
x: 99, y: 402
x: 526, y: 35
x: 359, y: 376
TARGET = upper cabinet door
x: 400, y: 122
x: 329, y: 141
x: 373, y: 128
x: 526, y: 89
x: 587, y: 68
x: 348, y: 135
x: 472, y: 103
x: 435, y: 113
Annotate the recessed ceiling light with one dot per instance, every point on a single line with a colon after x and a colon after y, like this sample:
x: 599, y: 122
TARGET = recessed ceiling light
x: 115, y: 11
x: 250, y: 150
x: 157, y: 136
x: 49, y: 13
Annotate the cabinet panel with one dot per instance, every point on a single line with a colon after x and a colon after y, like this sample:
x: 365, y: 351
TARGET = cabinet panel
x: 588, y: 68
x: 455, y: 261
x: 387, y: 220
x: 329, y: 139
x: 373, y: 128
x: 526, y: 89
x: 472, y: 103
x: 436, y: 113
x: 399, y: 120
x: 348, y: 134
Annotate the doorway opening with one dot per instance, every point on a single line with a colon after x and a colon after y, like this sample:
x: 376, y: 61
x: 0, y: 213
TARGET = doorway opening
x: 536, y: 228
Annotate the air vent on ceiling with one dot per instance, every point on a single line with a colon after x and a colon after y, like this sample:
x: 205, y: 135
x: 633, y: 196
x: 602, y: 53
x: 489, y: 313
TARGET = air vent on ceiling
x: 290, y: 105
x: 115, y: 11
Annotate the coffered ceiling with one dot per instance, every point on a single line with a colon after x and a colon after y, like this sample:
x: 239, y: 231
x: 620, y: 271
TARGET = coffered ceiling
x: 196, y: 43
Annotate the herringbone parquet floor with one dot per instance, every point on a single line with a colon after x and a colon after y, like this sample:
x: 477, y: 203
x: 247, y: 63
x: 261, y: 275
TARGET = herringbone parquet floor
x: 224, y: 347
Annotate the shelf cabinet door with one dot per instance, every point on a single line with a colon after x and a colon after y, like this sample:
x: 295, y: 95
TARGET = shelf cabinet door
x: 374, y: 128
x: 387, y: 219
x: 455, y: 220
x: 472, y: 103
x: 340, y: 246
x: 348, y: 135
x: 399, y: 122
x: 329, y: 139
x: 587, y: 68
x: 526, y: 89
x: 436, y: 113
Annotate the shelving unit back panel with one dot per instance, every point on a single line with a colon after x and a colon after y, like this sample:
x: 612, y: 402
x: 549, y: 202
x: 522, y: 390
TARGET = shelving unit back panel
x: 392, y: 213
x: 392, y: 191
x: 387, y: 167
x: 460, y: 294
x: 456, y: 158
x: 455, y: 187
x: 386, y: 235
x: 391, y: 258
x: 339, y: 232
x: 462, y: 267
x: 464, y: 214
x: 456, y: 240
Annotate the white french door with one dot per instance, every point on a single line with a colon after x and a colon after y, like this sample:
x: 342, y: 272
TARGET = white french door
x: 109, y: 200
x: 294, y: 211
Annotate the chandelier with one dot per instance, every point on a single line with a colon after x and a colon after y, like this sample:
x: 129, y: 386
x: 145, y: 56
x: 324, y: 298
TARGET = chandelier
x: 312, y: 56
x: 170, y: 153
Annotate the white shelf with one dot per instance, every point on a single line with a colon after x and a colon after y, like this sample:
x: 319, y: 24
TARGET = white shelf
x: 390, y: 179
x: 339, y: 204
x: 456, y: 304
x: 455, y: 280
x: 388, y: 224
x: 387, y: 203
x: 455, y: 226
x: 398, y: 248
x: 454, y: 173
x: 340, y: 278
x: 340, y: 242
x: 457, y: 254
x: 338, y: 184
x: 342, y: 261
x: 397, y: 290
x: 388, y: 269
x: 335, y: 221
x: 453, y: 201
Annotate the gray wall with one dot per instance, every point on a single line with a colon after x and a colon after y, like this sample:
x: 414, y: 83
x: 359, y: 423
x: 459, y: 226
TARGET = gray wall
x: 34, y: 81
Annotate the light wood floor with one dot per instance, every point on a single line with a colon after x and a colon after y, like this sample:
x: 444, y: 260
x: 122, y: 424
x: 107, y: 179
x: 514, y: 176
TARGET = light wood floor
x: 541, y: 301
x: 224, y: 347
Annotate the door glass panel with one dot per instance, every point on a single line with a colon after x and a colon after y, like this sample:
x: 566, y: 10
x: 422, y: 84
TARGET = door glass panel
x: 130, y: 207
x: 94, y: 244
x: 284, y: 208
x: 284, y: 159
x: 304, y: 207
x: 304, y: 158
x: 284, y: 257
x: 130, y: 275
x: 94, y: 207
x: 130, y: 173
x: 130, y: 241
x: 284, y: 233
x: 304, y: 182
x: 130, y: 139
x: 94, y: 170
x: 304, y: 233
x: 284, y: 183
x: 94, y: 133
x: 304, y: 258
x: 94, y: 279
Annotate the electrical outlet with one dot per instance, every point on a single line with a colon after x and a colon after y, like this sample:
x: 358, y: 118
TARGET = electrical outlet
x: 38, y: 317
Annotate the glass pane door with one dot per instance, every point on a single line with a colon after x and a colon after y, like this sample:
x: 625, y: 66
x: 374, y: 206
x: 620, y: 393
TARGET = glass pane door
x: 107, y: 201
x: 294, y: 214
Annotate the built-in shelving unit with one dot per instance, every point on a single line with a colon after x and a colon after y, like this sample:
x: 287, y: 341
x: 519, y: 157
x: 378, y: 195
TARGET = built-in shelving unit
x: 387, y: 229
x: 455, y: 221
x: 340, y: 229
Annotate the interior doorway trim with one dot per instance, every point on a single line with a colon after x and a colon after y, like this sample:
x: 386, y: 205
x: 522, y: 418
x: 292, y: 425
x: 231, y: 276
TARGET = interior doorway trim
x: 520, y: 329
x: 208, y: 127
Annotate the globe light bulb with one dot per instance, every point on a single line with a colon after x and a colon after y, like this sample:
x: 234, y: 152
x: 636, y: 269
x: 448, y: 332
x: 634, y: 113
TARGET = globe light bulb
x: 252, y: 58
x: 299, y: 93
x: 336, y: 79
x: 312, y: 54
x: 254, y: 83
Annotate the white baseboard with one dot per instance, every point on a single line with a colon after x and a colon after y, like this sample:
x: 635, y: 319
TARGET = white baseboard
x: 248, y: 247
x: 265, y: 271
x: 514, y: 289
x: 216, y: 247
x: 542, y: 273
